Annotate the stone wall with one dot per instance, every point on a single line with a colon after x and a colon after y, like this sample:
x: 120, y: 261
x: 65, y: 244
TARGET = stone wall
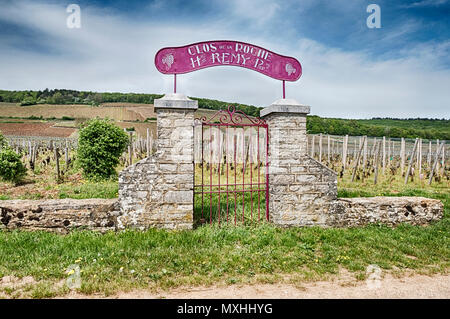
x: 302, y: 193
x: 64, y: 215
x: 59, y: 215
x: 158, y: 191
x: 300, y: 188
x: 391, y: 211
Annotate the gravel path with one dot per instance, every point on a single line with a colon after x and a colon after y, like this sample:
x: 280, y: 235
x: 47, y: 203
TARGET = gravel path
x: 415, y: 286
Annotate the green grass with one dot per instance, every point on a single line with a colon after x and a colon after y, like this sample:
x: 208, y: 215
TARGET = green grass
x: 234, y: 212
x: 107, y: 189
x: 227, y: 254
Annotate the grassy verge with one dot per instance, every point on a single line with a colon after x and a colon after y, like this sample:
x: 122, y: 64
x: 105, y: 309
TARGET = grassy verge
x: 207, y: 255
x: 227, y: 254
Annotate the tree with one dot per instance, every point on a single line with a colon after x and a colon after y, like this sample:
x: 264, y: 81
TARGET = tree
x: 100, y: 145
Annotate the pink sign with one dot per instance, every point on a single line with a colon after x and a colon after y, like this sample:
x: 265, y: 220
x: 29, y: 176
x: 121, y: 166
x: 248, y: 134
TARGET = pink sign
x: 192, y: 57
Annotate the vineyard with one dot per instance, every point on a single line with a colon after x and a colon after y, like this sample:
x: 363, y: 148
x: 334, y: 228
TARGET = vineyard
x: 53, y: 173
x: 363, y: 157
x: 46, y: 136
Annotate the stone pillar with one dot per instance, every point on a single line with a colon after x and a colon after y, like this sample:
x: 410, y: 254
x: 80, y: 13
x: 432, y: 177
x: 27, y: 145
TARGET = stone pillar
x: 158, y: 191
x: 301, y: 189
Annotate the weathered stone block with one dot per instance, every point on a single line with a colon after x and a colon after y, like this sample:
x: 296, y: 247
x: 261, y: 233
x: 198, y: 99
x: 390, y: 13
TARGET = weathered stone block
x: 178, y: 197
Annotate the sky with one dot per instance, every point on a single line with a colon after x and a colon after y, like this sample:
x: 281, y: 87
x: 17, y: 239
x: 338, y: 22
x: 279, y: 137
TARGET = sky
x: 401, y: 69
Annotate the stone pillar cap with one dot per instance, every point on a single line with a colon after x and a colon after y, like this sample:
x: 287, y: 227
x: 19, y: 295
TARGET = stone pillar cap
x: 285, y: 106
x: 175, y: 101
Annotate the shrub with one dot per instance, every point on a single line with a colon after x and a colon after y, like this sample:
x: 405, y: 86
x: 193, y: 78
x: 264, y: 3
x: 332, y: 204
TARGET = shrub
x: 100, y: 145
x: 28, y: 101
x: 11, y: 166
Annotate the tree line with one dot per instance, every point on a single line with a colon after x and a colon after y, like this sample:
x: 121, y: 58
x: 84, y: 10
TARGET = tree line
x: 63, y: 96
x: 411, y: 128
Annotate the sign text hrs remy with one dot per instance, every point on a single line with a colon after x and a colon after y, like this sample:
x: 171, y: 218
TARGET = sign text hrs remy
x: 196, y: 56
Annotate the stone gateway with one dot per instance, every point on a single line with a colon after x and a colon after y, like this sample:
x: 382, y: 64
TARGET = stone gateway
x: 158, y: 191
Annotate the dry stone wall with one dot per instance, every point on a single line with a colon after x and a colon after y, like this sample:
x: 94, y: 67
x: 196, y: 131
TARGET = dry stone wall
x: 391, y: 211
x: 158, y: 191
x: 59, y: 215
x: 300, y: 188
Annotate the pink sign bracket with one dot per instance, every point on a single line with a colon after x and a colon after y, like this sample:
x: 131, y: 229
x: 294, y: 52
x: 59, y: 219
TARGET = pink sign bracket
x: 197, y: 56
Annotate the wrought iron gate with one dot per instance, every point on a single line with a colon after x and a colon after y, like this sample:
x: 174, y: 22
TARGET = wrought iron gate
x: 230, y: 168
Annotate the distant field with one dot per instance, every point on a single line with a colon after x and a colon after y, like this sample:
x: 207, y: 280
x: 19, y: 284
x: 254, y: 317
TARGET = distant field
x: 124, y: 113
x: 15, y: 120
x: 35, y: 129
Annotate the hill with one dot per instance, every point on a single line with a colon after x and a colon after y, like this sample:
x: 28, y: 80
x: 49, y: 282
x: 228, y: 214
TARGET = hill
x: 69, y: 101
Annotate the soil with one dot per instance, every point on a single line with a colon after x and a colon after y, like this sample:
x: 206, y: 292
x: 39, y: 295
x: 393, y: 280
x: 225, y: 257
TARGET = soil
x: 35, y: 129
x: 415, y: 286
x: 34, y: 186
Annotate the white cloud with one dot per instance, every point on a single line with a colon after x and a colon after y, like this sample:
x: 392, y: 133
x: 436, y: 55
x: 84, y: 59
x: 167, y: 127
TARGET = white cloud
x: 110, y: 53
x: 257, y: 12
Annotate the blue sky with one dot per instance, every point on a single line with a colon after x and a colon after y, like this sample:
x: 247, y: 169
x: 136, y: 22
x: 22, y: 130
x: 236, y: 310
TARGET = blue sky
x: 349, y: 70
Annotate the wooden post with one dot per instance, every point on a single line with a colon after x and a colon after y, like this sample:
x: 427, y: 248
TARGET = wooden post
x: 57, y: 164
x: 411, y: 160
x: 357, y: 159
x: 360, y: 142
x: 437, y: 146
x: 418, y: 153
x: 328, y: 149
x: 372, y: 151
x: 389, y: 152
x: 420, y: 158
x: 66, y: 157
x: 365, y: 153
x: 130, y: 148
x: 151, y: 142
x: 30, y: 150
x: 344, y: 152
x: 34, y: 150
x: 443, y: 158
x: 384, y: 154
x: 393, y: 149
x: 148, y: 142
x: 436, y: 159
x: 376, y: 159
x: 320, y: 147
x: 429, y: 154
x: 402, y: 155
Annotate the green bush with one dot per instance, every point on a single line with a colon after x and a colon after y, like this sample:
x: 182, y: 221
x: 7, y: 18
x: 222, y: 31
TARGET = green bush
x: 100, y: 145
x: 28, y: 101
x: 11, y: 166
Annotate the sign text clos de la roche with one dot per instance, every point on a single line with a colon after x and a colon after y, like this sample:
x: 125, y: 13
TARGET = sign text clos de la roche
x: 192, y: 57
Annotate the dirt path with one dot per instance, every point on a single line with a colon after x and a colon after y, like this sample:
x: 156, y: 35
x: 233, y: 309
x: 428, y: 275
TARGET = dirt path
x: 417, y: 286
